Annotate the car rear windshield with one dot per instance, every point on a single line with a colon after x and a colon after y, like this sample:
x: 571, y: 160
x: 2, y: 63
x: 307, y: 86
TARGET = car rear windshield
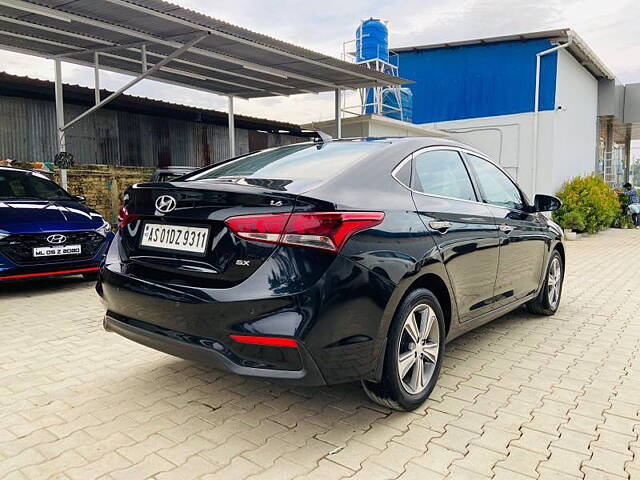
x: 28, y: 186
x: 294, y: 162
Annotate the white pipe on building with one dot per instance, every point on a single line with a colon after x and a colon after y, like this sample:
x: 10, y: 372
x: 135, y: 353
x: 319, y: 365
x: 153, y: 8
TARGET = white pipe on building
x: 536, y: 106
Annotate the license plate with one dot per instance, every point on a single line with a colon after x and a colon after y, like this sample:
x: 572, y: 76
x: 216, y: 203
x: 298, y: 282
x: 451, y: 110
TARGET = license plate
x: 55, y: 251
x: 175, y: 237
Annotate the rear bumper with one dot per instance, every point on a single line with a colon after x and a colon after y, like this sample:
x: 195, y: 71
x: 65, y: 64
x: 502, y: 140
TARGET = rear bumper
x: 210, y: 352
x: 336, y: 321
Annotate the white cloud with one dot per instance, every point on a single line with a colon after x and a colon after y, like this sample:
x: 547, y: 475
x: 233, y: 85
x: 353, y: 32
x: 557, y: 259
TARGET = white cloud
x: 611, y: 28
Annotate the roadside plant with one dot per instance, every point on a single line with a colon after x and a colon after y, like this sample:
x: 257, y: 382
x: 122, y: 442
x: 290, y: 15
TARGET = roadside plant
x: 573, y: 221
x: 589, y: 198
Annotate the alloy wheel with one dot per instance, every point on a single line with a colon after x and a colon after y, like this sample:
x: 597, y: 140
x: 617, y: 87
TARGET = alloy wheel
x: 554, y: 282
x: 419, y: 348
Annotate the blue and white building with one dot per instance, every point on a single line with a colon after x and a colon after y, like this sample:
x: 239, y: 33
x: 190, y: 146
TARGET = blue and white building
x: 541, y: 104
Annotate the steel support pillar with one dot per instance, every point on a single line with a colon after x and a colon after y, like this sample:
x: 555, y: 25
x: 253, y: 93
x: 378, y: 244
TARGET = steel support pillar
x: 96, y: 76
x: 232, y: 130
x: 338, y: 113
x: 60, y: 117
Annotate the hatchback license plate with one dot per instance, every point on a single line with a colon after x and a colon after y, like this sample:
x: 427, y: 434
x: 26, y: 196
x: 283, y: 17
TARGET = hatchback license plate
x: 175, y: 237
x: 55, y: 251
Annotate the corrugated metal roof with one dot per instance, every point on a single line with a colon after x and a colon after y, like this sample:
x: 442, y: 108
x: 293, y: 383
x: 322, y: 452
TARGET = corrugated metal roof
x: 228, y: 60
x: 578, y: 48
x: 15, y: 85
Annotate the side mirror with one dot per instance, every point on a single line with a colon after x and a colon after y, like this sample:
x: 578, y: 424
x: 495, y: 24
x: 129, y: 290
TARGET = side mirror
x: 546, y: 203
x: 80, y: 198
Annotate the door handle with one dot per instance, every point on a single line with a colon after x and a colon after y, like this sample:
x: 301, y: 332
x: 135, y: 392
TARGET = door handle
x: 442, y: 227
x: 506, y: 228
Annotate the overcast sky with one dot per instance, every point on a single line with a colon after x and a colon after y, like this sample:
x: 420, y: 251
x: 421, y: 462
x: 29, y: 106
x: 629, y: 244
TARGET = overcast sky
x: 611, y: 28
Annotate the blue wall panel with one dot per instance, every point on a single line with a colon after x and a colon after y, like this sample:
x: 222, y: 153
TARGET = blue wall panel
x: 476, y: 81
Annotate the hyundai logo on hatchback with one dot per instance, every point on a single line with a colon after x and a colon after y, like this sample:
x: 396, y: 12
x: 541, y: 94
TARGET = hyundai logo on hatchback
x: 56, y: 239
x: 165, y: 204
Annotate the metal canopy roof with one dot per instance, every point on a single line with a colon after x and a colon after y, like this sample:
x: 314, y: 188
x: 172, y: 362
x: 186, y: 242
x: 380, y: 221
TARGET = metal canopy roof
x: 578, y: 48
x: 133, y: 35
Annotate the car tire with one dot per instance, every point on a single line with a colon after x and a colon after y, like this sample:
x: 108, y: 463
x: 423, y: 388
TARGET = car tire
x: 548, y: 300
x: 91, y: 276
x: 413, y: 356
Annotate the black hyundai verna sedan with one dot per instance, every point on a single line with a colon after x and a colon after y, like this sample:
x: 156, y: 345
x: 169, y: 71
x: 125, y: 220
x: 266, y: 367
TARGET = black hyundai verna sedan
x: 331, y: 262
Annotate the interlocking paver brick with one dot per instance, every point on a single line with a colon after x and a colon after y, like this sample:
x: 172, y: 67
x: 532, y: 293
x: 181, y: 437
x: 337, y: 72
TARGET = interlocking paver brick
x: 147, y: 468
x: 522, y: 461
x: 282, y: 469
x: 438, y: 458
x: 310, y: 454
x: 565, y: 461
x: 373, y: 471
x: 607, y: 461
x: 137, y: 451
x: 353, y: 454
x: 239, y: 467
x: 56, y: 465
x: 227, y: 451
x: 395, y: 456
x: 195, y: 467
x: 267, y: 454
x: 414, y: 471
x: 480, y: 460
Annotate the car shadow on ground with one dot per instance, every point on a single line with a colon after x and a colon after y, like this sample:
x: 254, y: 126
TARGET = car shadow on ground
x: 205, y: 383
x: 33, y: 287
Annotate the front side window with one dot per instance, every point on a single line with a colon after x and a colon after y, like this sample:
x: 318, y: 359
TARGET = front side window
x: 442, y: 173
x: 497, y: 188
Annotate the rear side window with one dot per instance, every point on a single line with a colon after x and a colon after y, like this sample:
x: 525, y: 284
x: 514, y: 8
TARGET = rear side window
x: 442, y: 172
x: 497, y: 188
x: 295, y: 162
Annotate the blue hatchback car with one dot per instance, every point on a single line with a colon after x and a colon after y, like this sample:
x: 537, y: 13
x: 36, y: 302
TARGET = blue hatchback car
x: 45, y: 231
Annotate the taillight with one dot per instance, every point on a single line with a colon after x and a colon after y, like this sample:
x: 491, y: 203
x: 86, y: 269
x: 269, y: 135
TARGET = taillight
x: 324, y: 230
x: 124, y: 217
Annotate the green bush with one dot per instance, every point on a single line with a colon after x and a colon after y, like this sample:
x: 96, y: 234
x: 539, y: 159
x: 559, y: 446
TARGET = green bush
x: 592, y: 199
x: 573, y: 221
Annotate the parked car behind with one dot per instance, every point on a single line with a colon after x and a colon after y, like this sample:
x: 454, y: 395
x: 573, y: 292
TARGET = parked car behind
x: 45, y: 231
x: 167, y: 174
x: 320, y: 263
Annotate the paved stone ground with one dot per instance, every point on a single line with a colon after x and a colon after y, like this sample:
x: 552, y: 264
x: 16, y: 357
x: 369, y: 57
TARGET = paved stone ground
x: 523, y: 397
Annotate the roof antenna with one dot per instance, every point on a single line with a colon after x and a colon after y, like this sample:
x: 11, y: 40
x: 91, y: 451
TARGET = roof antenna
x: 324, y: 137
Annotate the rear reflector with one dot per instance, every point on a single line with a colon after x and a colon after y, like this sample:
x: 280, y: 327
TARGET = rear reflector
x: 268, y: 341
x: 323, y: 230
x: 46, y: 274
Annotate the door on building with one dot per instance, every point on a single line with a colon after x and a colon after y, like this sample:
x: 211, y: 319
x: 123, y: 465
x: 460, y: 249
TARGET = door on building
x: 522, y: 234
x: 464, y: 228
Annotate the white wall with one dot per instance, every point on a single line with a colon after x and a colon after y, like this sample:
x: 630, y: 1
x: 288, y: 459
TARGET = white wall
x: 575, y: 137
x: 567, y: 137
x: 508, y: 140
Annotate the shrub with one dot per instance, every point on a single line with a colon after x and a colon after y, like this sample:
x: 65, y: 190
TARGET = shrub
x: 592, y: 199
x: 573, y: 221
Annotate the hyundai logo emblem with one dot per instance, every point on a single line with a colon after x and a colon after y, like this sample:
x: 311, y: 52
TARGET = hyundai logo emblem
x: 165, y: 204
x: 56, y: 239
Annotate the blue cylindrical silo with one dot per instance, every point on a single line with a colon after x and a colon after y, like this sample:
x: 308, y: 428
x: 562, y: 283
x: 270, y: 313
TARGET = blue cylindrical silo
x: 372, y: 40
